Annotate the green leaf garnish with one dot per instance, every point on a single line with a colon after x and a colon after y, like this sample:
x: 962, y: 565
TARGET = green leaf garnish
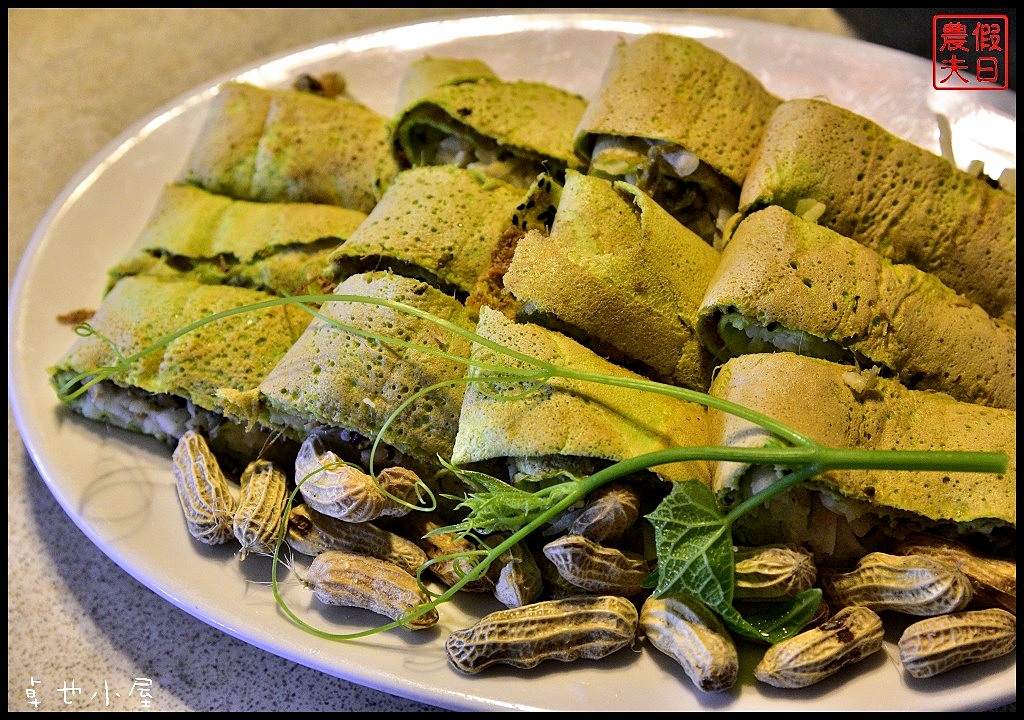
x: 780, y: 621
x: 694, y: 545
x: 695, y: 557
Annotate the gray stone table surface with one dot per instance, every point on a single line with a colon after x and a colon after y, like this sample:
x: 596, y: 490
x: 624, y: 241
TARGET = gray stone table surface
x: 76, y: 79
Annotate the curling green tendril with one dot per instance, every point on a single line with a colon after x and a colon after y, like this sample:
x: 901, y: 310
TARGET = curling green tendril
x: 497, y: 506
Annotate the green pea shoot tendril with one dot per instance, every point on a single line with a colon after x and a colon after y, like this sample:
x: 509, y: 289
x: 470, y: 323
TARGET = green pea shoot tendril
x: 694, y: 545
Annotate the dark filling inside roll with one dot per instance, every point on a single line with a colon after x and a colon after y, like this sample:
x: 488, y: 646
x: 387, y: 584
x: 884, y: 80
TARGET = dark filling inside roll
x: 428, y: 141
x: 691, y: 191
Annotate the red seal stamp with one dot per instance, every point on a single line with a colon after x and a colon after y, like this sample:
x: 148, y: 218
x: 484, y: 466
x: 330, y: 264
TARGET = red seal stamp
x: 970, y: 52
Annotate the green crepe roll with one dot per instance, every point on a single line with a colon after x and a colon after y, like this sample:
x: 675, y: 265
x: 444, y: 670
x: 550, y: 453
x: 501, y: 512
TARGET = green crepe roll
x: 440, y: 224
x: 681, y: 121
x: 333, y: 378
x: 512, y: 130
x: 276, y: 145
x: 281, y: 248
x: 841, y: 514
x: 426, y: 74
x: 187, y: 382
x: 620, y: 274
x: 785, y: 283
x: 569, y: 419
x: 907, y: 203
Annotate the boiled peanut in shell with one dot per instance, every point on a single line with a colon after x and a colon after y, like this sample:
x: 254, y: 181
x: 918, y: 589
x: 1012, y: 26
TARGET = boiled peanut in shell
x: 579, y: 628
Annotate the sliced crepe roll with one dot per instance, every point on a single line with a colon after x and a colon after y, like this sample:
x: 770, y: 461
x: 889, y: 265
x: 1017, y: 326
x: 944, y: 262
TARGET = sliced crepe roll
x: 843, y: 513
x: 281, y: 248
x: 907, y: 203
x: 185, y: 383
x: 276, y: 145
x: 621, y: 275
x: 784, y: 283
x: 681, y: 121
x: 511, y: 130
x: 440, y: 224
x: 566, y: 420
x: 333, y: 378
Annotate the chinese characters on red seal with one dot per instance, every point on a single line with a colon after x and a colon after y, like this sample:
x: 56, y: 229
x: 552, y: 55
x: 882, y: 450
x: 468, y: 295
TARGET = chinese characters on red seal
x: 970, y: 52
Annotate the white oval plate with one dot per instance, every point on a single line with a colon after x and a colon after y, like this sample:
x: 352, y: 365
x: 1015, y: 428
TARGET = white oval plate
x: 117, y: 486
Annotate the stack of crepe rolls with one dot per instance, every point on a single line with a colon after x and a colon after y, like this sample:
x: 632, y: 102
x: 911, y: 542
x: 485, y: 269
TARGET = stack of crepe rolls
x: 186, y: 383
x: 428, y: 241
x: 280, y: 248
x: 785, y: 283
x: 842, y: 514
x: 909, y: 204
x: 567, y: 420
x: 278, y: 145
x: 458, y: 112
x: 620, y: 274
x: 679, y: 120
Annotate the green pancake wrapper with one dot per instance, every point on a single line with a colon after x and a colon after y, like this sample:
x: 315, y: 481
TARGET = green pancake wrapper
x: 623, y: 272
x: 281, y: 248
x: 440, y: 224
x: 202, y: 367
x: 567, y: 417
x: 274, y: 145
x: 333, y: 378
x: 423, y: 76
x: 787, y: 283
x: 843, y: 408
x: 907, y: 203
x: 512, y: 130
x: 679, y: 120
